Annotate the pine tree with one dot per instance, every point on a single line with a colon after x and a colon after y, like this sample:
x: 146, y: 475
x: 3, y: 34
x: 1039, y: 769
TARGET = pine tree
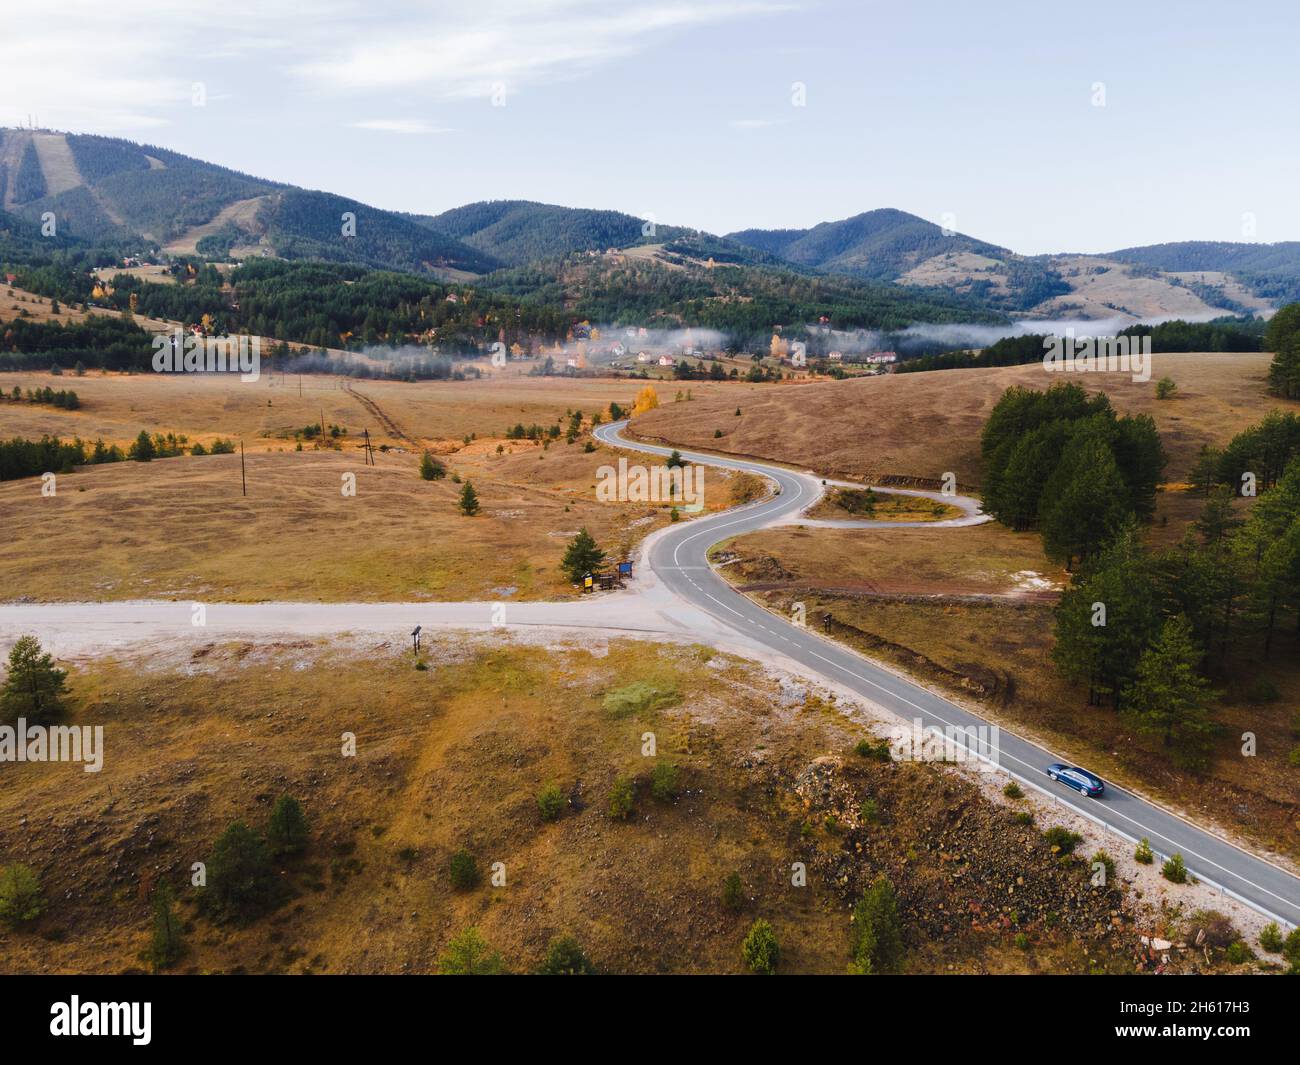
x: 468, y: 954
x: 468, y: 500
x: 1016, y: 498
x: 241, y: 881
x: 1283, y: 339
x: 143, y: 450
x: 581, y: 557
x: 165, y: 946
x: 1105, y: 619
x: 431, y: 469
x: 565, y: 957
x: 1204, y: 474
x: 1085, y: 503
x: 287, y: 831
x: 1217, y: 520
x: 877, y: 931
x: 33, y: 685
x: 1168, y: 697
x: 760, y: 950
x: 21, y: 898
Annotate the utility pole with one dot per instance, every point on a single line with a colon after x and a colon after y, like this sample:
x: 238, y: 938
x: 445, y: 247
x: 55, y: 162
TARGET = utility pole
x: 243, y: 477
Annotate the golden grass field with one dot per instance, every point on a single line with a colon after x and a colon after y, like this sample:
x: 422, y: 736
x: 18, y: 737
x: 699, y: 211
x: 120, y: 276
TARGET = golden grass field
x: 180, y: 527
x: 454, y: 756
x: 886, y: 508
x: 265, y: 413
x: 923, y: 425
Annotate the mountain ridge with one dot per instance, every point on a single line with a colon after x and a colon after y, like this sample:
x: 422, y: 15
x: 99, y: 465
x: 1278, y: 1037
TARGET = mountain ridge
x: 107, y: 189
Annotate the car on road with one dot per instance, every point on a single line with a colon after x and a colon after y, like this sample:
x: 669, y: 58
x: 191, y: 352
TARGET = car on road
x: 1080, y: 780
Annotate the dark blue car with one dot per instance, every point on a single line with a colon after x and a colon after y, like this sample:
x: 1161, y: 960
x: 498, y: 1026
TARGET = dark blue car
x: 1080, y: 780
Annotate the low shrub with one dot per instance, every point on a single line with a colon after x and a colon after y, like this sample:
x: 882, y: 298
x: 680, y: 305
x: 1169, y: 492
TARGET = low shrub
x: 1174, y: 870
x: 463, y: 871
x: 733, y: 892
x: 550, y: 802
x: 21, y: 898
x: 1062, y: 839
x: 637, y: 698
x: 565, y: 957
x: 622, y: 799
x: 1239, y: 953
x: 760, y: 950
x: 664, y: 783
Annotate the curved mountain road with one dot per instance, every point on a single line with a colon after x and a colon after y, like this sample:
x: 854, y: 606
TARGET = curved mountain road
x: 679, y: 559
x: 678, y: 595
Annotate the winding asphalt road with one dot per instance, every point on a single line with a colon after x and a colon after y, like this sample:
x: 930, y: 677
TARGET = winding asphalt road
x: 679, y: 558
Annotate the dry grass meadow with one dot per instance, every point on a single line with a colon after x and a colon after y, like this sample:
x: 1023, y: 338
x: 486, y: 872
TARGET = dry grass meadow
x: 181, y: 527
x: 453, y: 757
x: 923, y: 425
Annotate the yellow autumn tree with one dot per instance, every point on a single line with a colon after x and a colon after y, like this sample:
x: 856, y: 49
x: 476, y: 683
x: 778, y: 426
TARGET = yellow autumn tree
x: 646, y: 399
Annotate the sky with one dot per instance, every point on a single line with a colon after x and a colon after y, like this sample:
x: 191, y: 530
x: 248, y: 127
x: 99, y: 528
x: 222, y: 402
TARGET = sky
x: 1039, y: 126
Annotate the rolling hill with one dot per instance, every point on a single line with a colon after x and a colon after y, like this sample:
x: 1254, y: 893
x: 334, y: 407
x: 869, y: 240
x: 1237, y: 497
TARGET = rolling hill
x: 877, y: 245
x: 1193, y: 280
x: 101, y: 188
x: 520, y: 231
x: 1269, y: 271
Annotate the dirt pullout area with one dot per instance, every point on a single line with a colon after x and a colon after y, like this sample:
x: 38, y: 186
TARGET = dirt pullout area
x: 452, y: 756
x: 921, y: 426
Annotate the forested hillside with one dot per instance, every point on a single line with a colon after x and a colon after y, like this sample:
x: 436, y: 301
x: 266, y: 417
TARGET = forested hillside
x: 878, y: 245
x: 519, y: 231
x: 1271, y: 271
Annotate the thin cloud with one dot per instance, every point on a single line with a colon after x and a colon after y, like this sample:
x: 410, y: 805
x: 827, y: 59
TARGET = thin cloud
x: 83, y: 65
x: 400, y: 125
x: 510, y: 42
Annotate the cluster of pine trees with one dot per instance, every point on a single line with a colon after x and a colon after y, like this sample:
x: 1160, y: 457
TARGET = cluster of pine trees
x: 109, y: 343
x: 63, y: 399
x: 1283, y: 339
x: 1064, y: 463
x: 49, y: 454
x: 30, y: 458
x: 1149, y: 632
